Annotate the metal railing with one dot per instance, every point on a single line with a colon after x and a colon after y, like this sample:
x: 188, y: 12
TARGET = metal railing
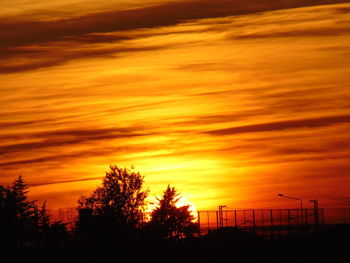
x: 264, y: 222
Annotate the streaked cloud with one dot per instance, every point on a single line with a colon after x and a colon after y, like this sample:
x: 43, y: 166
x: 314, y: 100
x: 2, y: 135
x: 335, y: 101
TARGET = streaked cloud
x: 162, y: 14
x: 283, y: 125
x: 36, y: 44
x: 69, y: 137
x: 247, y: 97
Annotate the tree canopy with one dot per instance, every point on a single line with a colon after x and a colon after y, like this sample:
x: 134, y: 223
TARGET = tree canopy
x: 171, y: 221
x: 120, y: 196
x: 112, y: 216
x: 21, y: 221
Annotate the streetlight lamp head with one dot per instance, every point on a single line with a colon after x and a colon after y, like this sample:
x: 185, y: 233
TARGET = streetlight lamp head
x: 281, y: 195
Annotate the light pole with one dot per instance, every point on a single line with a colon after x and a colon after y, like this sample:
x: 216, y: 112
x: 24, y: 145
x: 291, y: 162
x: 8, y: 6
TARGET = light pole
x: 294, y: 198
x: 221, y: 219
x: 301, y: 204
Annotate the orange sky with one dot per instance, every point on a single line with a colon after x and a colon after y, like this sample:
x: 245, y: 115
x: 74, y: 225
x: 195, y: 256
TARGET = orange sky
x: 231, y: 102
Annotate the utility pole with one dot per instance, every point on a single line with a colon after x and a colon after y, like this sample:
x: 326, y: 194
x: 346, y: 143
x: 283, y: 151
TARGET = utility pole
x: 315, y: 211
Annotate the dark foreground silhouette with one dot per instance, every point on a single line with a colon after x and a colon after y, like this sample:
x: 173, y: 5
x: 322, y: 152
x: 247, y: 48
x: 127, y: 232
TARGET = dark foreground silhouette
x: 111, y: 227
x: 226, y: 245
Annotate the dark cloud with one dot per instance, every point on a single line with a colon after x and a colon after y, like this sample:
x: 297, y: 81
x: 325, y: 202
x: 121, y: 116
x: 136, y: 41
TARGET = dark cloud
x: 12, y: 124
x: 48, y: 57
x: 276, y: 98
x: 115, y: 36
x: 331, y: 149
x: 217, y: 118
x: 297, y: 159
x: 300, y: 104
x: 64, y: 181
x: 341, y: 199
x: 30, y: 66
x: 54, y: 159
x: 288, y: 144
x: 68, y: 137
x: 230, y: 67
x: 48, y: 43
x: 169, y: 13
x: 282, y: 125
x: 344, y: 10
x: 70, y: 119
x: 102, y: 38
x: 316, y: 32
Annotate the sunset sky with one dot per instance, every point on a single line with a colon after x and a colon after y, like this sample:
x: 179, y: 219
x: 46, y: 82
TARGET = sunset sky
x: 229, y: 101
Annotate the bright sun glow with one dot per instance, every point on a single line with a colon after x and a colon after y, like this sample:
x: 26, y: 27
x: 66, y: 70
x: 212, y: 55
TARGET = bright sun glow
x: 153, y: 203
x: 184, y: 202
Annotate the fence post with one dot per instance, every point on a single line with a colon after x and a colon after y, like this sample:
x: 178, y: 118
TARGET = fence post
x: 306, y: 215
x: 316, y: 212
x: 199, y: 223
x: 208, y: 222
x: 289, y: 225
x: 262, y: 217
x: 217, y: 220
x: 253, y: 220
x: 244, y: 219
x: 280, y: 217
x: 271, y: 219
x: 236, y: 218
x: 302, y: 216
x: 322, y: 210
x: 297, y: 210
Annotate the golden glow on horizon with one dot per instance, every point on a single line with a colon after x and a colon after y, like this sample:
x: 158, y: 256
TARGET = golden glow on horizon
x: 228, y: 110
x: 153, y: 203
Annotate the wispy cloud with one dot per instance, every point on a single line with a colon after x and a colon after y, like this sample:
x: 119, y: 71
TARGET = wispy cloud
x: 282, y: 125
x: 192, y: 93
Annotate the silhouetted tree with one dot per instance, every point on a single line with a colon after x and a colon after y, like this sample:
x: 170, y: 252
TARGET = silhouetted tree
x: 57, y: 235
x: 115, y: 207
x: 7, y: 215
x: 44, y: 217
x: 170, y: 221
x: 4, y: 201
x: 22, y: 223
x: 24, y: 207
x: 68, y: 215
x: 18, y: 216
